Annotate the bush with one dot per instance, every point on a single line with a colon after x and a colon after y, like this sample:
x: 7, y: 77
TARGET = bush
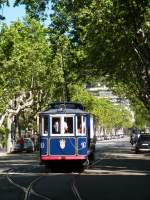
x: 3, y: 136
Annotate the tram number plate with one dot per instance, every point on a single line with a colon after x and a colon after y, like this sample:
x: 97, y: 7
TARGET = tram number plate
x: 83, y: 145
x: 42, y: 145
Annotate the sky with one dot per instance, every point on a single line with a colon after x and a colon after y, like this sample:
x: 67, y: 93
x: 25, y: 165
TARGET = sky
x: 14, y: 13
x: 11, y: 13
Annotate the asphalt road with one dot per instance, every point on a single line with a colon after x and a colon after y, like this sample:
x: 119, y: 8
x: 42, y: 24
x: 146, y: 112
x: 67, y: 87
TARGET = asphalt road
x: 117, y: 174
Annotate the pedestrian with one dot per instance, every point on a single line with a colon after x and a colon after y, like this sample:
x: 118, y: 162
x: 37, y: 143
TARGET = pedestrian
x: 21, y: 142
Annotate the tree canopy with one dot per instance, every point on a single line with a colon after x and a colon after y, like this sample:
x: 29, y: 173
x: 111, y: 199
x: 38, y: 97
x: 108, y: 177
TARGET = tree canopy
x: 106, y: 114
x: 27, y: 66
x: 113, y: 37
x: 86, y: 40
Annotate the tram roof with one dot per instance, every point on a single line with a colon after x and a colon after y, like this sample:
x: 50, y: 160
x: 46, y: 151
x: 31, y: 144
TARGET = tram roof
x: 69, y: 105
x: 65, y: 108
x: 64, y: 111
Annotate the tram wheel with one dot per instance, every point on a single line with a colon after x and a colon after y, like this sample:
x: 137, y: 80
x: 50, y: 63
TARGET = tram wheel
x: 47, y: 168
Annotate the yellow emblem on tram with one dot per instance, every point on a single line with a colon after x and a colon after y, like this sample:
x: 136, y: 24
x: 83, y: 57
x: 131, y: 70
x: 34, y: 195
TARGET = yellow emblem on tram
x: 62, y: 143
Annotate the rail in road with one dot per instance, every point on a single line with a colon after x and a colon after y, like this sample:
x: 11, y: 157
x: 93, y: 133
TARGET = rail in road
x: 115, y: 166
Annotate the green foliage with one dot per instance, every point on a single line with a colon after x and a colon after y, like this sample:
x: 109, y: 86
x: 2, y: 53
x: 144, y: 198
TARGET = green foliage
x: 4, y: 2
x: 86, y: 40
x: 3, y: 136
x: 107, y: 114
x: 27, y: 63
x: 106, y: 34
x: 142, y: 117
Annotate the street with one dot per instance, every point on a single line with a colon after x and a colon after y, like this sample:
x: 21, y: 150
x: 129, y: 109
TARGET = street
x: 74, y: 100
x: 118, y: 173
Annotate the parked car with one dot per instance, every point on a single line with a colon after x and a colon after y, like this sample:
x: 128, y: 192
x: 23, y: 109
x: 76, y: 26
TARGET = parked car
x: 17, y: 147
x: 28, y: 145
x: 143, y: 143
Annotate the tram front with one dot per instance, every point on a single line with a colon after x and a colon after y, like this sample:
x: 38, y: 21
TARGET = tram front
x: 65, y: 134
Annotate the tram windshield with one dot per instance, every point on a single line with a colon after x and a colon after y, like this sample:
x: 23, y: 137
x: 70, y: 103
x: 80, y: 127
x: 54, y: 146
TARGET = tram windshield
x: 62, y: 125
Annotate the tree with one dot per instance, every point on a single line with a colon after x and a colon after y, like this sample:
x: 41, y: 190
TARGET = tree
x: 107, y: 115
x: 107, y: 38
x: 26, y: 60
x: 113, y: 37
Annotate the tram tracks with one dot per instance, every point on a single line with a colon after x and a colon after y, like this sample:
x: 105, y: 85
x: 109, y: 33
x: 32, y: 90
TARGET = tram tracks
x: 29, y: 188
x: 74, y: 184
x: 74, y: 187
x: 28, y: 191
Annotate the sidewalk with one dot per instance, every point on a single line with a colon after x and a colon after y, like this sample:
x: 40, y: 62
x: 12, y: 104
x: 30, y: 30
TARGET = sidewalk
x: 3, y: 153
x: 125, y: 138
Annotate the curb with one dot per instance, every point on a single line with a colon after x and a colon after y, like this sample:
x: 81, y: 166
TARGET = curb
x: 3, y: 154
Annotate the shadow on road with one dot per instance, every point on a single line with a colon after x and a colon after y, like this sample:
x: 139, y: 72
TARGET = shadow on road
x: 123, y: 160
x: 11, y: 161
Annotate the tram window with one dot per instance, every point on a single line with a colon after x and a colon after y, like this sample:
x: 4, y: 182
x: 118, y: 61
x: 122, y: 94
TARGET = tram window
x: 84, y: 125
x: 56, y: 125
x: 40, y: 129
x: 45, y: 125
x: 68, y: 124
x: 81, y: 125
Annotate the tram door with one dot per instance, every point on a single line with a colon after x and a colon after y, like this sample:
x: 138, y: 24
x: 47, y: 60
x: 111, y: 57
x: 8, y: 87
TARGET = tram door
x: 44, y: 130
x: 81, y: 134
x: 62, y: 136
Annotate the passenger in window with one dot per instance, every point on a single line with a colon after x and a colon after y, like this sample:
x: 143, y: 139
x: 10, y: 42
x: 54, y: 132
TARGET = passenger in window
x: 79, y: 128
x: 56, y: 127
x: 45, y: 132
x: 84, y: 126
x: 65, y: 127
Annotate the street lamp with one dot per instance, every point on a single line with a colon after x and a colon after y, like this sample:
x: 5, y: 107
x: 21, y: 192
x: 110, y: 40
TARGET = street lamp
x: 2, y: 17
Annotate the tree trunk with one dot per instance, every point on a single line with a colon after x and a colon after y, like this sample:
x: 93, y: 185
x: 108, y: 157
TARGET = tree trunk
x: 9, y: 140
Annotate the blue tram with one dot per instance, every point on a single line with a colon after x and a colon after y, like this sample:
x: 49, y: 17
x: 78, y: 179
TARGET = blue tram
x: 66, y: 134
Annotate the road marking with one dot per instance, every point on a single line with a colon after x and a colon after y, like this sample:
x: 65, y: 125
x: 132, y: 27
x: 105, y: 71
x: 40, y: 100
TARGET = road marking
x: 31, y: 173
x: 86, y: 172
x: 112, y: 173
